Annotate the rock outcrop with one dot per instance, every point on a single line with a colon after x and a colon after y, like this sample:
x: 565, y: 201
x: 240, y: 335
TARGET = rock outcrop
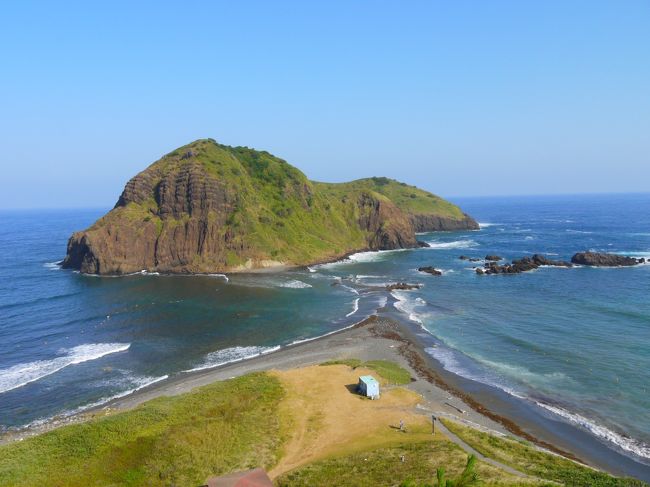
x: 605, y: 260
x: 208, y: 208
x: 493, y: 258
x: 524, y: 264
x: 402, y: 286
x: 430, y: 270
x: 433, y: 223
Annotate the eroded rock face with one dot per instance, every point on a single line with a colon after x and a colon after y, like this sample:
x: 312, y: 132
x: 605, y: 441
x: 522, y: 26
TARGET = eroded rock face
x: 433, y: 223
x: 211, y: 208
x: 183, y: 231
x: 604, y: 260
x: 389, y: 227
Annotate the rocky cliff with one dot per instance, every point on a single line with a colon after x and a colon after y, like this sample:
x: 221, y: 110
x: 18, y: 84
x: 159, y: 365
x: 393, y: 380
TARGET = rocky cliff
x: 208, y: 208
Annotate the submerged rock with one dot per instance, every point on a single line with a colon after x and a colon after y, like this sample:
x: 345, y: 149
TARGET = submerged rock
x: 598, y: 259
x: 423, y: 244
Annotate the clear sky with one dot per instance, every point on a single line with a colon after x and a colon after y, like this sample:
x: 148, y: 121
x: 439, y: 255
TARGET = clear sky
x: 460, y: 98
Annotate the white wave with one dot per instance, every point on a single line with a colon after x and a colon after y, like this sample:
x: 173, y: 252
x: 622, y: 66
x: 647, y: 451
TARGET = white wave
x: 311, y: 339
x: 456, y: 244
x: 136, y: 383
x: 222, y: 276
x: 22, y: 374
x: 529, y: 238
x: 360, y: 258
x: 449, y: 361
x: 408, y: 306
x: 269, y: 282
x: 570, y: 230
x: 355, y: 308
x: 295, y: 284
x: 311, y: 269
x: 625, y: 442
x: 231, y: 355
x: 53, y: 266
x: 488, y: 225
x: 351, y: 289
x: 637, y: 254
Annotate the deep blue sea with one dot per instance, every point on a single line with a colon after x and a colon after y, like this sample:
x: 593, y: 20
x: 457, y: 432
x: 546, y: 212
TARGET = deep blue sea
x: 575, y: 341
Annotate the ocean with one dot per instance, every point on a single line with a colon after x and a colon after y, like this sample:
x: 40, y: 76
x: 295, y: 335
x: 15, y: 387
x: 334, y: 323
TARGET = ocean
x: 575, y: 342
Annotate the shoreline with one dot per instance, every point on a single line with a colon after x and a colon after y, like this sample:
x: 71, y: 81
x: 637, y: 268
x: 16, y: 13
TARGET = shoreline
x: 381, y: 336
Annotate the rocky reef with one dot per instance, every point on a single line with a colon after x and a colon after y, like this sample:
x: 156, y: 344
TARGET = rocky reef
x: 207, y: 207
x: 604, y: 260
x: 518, y: 266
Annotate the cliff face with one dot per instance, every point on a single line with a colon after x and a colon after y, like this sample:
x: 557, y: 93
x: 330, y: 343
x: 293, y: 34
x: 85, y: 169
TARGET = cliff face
x: 435, y: 223
x: 211, y: 208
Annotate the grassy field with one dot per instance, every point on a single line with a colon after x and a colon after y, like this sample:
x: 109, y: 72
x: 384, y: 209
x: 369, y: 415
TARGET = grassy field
x: 181, y: 440
x: 530, y: 460
x: 390, y: 372
x: 383, y: 467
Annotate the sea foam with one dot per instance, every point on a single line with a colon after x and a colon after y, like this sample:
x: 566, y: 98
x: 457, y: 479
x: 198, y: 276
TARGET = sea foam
x: 625, y: 442
x: 456, y: 244
x: 22, y: 374
x: 355, y: 308
x: 230, y: 355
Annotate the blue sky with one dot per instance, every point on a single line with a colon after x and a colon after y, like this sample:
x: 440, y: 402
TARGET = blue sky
x: 460, y: 98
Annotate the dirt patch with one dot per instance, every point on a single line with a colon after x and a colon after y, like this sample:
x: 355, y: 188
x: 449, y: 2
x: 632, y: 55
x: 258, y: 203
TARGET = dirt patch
x: 322, y: 415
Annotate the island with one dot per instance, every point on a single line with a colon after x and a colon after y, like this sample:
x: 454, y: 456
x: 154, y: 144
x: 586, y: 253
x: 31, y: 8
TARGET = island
x: 208, y: 208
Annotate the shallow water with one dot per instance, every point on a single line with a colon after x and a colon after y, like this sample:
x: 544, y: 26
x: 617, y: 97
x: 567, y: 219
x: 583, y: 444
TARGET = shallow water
x: 576, y: 341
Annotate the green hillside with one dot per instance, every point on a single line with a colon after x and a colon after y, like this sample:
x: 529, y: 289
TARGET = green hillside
x: 208, y: 207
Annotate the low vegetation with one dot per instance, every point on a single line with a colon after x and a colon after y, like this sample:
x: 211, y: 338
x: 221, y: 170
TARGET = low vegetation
x: 416, y: 462
x: 530, y: 460
x: 390, y: 372
x: 226, y: 426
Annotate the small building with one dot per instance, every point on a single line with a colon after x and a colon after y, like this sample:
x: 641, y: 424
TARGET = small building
x: 368, y: 386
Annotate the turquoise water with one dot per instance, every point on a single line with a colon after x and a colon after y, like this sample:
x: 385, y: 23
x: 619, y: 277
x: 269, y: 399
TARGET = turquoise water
x: 576, y: 341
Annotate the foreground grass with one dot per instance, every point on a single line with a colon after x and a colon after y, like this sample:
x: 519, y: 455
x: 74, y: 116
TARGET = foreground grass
x: 389, y: 371
x: 530, y: 460
x: 383, y: 467
x: 180, y: 440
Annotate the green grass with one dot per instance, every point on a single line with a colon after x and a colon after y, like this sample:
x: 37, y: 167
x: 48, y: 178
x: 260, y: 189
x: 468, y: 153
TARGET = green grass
x: 383, y: 467
x: 530, y: 460
x: 389, y: 371
x: 180, y: 440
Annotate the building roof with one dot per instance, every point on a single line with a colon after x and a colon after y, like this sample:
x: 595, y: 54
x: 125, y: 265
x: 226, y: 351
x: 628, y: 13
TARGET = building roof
x: 368, y: 379
x: 250, y: 478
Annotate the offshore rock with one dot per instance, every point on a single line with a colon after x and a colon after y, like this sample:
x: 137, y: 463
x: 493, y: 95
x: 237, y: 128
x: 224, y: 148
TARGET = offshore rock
x: 604, y: 260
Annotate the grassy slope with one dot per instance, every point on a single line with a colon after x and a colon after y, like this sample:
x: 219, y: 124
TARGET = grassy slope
x: 530, y: 460
x: 383, y: 467
x: 408, y: 198
x: 390, y: 372
x: 283, y: 215
x: 179, y: 440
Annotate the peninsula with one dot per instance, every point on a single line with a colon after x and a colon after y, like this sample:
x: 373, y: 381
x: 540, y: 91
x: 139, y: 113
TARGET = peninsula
x: 208, y: 208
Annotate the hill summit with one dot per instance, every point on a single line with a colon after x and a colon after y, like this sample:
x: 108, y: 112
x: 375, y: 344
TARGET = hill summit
x: 207, y: 207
